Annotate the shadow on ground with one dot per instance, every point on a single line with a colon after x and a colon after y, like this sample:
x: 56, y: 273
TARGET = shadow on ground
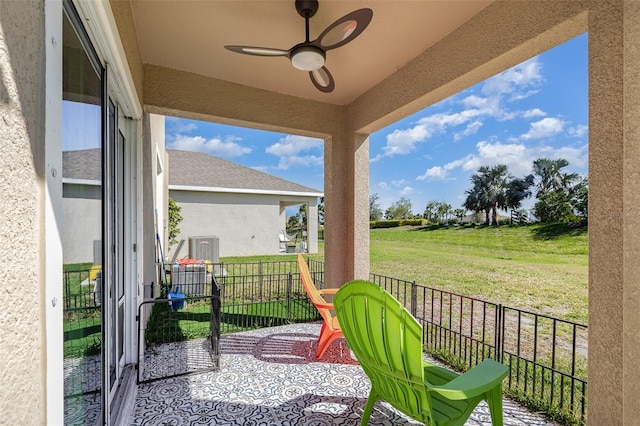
x: 556, y: 230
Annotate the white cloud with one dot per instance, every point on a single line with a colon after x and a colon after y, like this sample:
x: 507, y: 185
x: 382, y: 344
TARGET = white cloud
x: 579, y: 131
x: 383, y: 185
x: 434, y: 173
x: 576, y: 155
x: 300, y: 161
x: 517, y: 82
x: 517, y: 156
x: 546, y: 127
x: 290, y: 147
x: 515, y: 79
x: 228, y: 147
x: 472, y: 128
x: 293, y: 145
x: 407, y: 190
x: 532, y: 113
x: 399, y: 183
x: 177, y: 125
x: 442, y: 173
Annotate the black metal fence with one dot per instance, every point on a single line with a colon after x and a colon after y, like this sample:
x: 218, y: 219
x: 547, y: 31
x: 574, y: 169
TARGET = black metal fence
x: 179, y: 335
x: 82, y: 344
x: 546, y: 356
x: 262, y: 294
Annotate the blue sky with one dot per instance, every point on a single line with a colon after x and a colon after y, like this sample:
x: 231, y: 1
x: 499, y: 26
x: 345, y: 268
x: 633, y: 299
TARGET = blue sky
x: 538, y: 108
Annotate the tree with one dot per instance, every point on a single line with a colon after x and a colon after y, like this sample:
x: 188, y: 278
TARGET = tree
x: 431, y: 211
x: 375, y: 212
x: 580, y: 198
x: 174, y: 220
x: 517, y: 190
x: 321, y: 211
x: 444, y: 210
x: 554, y: 206
x: 489, y: 191
x: 494, y: 188
x: 550, y: 176
x: 400, y: 209
x: 302, y: 213
x: 293, y: 224
x: 459, y: 214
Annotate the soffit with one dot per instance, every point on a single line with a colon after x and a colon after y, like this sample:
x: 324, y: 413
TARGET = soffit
x: 190, y: 36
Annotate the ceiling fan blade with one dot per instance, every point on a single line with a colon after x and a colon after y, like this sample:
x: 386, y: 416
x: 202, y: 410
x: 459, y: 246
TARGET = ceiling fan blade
x: 322, y: 79
x: 258, y: 51
x: 344, y: 29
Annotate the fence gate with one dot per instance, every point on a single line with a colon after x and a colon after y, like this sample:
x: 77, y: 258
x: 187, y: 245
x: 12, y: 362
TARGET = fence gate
x: 178, y: 336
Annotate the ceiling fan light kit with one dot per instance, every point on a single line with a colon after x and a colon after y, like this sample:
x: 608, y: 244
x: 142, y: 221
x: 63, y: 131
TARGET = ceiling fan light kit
x: 310, y: 56
x: 307, y: 58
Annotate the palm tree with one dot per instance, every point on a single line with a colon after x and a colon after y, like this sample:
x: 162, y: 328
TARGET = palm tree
x: 550, y: 176
x: 493, y: 189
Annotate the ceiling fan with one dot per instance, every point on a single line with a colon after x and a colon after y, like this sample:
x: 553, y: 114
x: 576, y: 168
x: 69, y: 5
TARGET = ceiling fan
x: 310, y: 55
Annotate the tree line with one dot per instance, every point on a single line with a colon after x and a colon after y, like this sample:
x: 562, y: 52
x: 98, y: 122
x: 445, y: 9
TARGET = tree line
x: 561, y: 196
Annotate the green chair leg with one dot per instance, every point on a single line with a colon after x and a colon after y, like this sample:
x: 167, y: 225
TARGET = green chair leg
x: 368, y: 409
x: 494, y: 401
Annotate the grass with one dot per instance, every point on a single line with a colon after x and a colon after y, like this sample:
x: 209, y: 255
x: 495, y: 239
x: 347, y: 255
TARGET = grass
x: 539, y: 267
x: 542, y: 268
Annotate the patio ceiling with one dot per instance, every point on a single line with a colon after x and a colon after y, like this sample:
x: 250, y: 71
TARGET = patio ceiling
x: 190, y: 36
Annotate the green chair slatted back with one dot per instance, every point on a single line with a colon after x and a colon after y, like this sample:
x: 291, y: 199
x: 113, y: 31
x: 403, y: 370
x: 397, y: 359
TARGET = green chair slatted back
x: 387, y: 341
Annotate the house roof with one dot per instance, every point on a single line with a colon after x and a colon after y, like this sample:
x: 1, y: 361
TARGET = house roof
x: 192, y: 170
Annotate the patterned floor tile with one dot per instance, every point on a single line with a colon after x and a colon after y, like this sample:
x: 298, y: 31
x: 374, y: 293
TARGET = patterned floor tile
x: 269, y: 377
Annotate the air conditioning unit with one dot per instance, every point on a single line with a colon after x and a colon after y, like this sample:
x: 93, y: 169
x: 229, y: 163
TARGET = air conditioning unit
x: 205, y: 248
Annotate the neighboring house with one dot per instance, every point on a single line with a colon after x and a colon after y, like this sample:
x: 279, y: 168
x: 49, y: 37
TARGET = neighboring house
x: 81, y: 204
x: 243, y: 207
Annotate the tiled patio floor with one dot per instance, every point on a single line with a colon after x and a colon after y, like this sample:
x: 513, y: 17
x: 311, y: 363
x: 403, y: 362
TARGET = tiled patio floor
x: 269, y: 377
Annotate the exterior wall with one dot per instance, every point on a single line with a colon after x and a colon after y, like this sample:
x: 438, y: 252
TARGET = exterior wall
x: 246, y: 224
x: 81, y: 206
x: 22, y: 233
x: 614, y: 204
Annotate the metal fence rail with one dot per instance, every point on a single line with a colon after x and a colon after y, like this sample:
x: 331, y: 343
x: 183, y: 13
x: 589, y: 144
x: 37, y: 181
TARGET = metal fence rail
x: 546, y: 356
x: 263, y: 294
x: 178, y: 336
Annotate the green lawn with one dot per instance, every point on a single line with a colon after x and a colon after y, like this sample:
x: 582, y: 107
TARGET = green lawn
x: 542, y: 268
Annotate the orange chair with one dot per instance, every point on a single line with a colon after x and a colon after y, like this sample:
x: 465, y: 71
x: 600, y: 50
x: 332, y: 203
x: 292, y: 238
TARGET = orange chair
x: 330, y: 328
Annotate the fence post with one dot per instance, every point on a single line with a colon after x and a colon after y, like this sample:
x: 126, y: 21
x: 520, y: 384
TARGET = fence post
x: 414, y: 299
x: 260, y: 279
x: 499, y: 338
x: 289, y: 290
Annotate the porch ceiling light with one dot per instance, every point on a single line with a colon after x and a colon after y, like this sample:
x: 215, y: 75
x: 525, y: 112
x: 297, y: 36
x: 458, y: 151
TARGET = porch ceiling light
x: 307, y: 58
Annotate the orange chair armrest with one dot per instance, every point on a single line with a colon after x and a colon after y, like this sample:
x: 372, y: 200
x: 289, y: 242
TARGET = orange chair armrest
x: 329, y: 290
x: 324, y: 305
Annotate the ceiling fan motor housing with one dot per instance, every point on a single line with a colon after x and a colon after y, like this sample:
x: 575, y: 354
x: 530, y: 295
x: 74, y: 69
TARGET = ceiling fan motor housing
x: 307, y: 8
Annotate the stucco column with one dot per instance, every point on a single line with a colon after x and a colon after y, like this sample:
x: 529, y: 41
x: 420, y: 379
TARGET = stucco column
x: 312, y: 227
x: 346, y: 190
x: 614, y: 212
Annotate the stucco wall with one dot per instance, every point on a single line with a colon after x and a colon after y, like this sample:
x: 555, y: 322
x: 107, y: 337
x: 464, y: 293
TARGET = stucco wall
x: 22, y: 366
x: 246, y: 224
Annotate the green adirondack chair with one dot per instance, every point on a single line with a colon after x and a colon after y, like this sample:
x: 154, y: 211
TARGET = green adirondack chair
x: 387, y: 341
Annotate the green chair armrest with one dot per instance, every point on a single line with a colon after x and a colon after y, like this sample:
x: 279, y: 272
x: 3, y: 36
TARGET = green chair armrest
x: 480, y: 379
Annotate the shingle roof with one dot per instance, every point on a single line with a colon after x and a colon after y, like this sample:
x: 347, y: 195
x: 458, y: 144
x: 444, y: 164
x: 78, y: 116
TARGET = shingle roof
x: 82, y: 164
x: 202, y: 170
x: 187, y: 168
